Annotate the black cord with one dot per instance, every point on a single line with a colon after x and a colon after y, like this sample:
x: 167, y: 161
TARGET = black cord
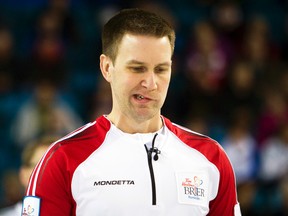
x: 155, y: 149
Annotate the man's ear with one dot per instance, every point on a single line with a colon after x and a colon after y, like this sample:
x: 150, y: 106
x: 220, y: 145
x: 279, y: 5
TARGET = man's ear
x: 106, y: 67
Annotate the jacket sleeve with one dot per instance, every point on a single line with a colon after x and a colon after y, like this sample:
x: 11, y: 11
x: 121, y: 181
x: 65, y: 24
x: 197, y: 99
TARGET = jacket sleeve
x: 225, y: 203
x: 50, y: 182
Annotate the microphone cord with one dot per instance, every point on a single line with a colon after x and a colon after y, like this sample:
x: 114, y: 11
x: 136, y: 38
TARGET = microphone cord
x: 154, y: 149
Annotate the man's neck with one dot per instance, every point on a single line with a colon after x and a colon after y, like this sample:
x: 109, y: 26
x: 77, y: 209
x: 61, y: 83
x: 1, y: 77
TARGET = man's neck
x: 129, y: 125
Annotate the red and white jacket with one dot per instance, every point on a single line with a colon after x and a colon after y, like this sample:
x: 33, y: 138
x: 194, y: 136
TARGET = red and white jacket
x: 100, y: 170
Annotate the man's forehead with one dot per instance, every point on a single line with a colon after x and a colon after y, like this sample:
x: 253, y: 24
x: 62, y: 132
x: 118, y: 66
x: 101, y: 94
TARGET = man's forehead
x: 135, y: 48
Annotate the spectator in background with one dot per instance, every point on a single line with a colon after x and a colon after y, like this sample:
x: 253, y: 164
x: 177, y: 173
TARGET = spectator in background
x: 10, y: 75
x: 240, y: 90
x: 101, y: 100
x: 68, y: 29
x: 12, y: 188
x: 47, y: 60
x: 30, y: 157
x: 273, y: 114
x: 272, y: 189
x: 206, y: 64
x: 258, y: 49
x: 206, y: 61
x: 241, y: 147
x: 55, y: 34
x: 197, y: 122
x: 227, y: 17
x: 45, y: 113
x: 274, y: 160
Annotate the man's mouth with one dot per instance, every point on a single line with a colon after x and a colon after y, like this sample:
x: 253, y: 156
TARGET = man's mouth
x: 139, y: 96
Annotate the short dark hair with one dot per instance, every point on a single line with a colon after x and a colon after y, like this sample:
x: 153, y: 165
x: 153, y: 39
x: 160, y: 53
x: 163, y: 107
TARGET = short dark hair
x: 134, y: 21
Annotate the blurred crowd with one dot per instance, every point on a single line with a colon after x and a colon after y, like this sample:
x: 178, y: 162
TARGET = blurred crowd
x: 229, y: 81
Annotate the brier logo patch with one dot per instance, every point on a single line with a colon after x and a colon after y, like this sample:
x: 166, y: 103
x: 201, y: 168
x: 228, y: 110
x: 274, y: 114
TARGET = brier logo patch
x: 192, y: 188
x: 31, y: 206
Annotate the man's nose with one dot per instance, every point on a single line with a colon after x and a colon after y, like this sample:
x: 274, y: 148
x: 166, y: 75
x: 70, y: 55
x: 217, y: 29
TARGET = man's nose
x: 149, y: 80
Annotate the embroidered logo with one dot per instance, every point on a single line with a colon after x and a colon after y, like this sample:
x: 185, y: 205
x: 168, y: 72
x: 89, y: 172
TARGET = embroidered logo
x: 192, y: 188
x: 31, y: 206
x: 28, y: 211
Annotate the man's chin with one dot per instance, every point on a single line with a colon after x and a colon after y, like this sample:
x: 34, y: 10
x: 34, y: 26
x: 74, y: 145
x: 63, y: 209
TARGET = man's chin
x: 144, y: 115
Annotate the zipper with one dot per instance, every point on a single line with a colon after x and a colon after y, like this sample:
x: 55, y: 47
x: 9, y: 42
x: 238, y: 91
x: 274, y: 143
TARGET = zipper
x: 149, y: 157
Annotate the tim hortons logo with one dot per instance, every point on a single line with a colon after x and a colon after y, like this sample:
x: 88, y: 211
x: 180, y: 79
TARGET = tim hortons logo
x: 192, y: 188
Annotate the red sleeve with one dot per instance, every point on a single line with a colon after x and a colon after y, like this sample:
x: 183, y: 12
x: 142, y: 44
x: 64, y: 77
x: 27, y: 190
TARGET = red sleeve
x: 51, y: 179
x: 51, y: 182
x: 226, y: 199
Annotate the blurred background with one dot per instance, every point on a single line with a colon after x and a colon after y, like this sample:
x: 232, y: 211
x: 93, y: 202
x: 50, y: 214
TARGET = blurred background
x: 230, y: 81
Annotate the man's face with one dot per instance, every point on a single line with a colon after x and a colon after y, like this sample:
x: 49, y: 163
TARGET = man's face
x: 140, y: 76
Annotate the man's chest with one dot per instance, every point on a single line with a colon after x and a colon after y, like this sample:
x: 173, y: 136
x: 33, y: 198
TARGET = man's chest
x: 116, y: 180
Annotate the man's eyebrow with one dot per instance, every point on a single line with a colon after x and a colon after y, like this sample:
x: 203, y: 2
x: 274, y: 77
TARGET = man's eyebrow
x: 165, y: 64
x: 131, y: 62
x: 135, y: 62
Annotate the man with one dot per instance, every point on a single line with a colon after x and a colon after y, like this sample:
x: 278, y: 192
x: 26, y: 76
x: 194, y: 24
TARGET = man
x: 134, y: 161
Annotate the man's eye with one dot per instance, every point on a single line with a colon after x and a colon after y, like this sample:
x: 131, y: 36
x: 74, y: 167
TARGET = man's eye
x: 138, y: 69
x: 160, y: 70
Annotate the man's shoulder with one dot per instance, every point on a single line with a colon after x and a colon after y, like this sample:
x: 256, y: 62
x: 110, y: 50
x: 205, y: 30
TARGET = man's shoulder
x: 204, y: 144
x: 80, y: 143
x: 92, y: 132
x: 187, y: 135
